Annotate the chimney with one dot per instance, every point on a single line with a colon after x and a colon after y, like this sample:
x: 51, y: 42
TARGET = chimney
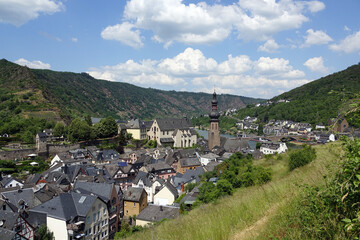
x: 182, y: 187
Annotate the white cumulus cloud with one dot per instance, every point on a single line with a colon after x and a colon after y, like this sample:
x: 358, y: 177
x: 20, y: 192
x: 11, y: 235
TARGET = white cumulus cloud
x: 124, y: 33
x: 269, y: 46
x: 18, y: 12
x: 193, y: 71
x: 316, y: 64
x: 33, y: 64
x: 316, y: 38
x: 197, y: 23
x: 350, y: 44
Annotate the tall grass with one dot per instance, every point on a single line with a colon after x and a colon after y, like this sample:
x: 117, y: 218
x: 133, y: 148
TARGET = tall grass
x: 230, y: 216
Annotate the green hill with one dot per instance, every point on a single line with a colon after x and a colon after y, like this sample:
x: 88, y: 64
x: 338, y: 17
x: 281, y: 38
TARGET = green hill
x: 73, y: 94
x: 314, y: 102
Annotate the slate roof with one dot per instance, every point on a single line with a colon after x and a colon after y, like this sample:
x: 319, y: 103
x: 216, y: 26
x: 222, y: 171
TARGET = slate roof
x: 135, y: 124
x: 211, y: 166
x: 105, y: 155
x: 112, y: 169
x: 67, y: 206
x: 45, y: 191
x: 155, y: 167
x: 155, y: 213
x: 133, y: 194
x: 210, y: 156
x: 103, y: 190
x: 15, y: 196
x: 187, y: 162
x: 7, y: 234
x: 167, y: 140
x: 9, y: 219
x: 145, y: 177
x: 148, y: 124
x: 193, y: 174
x: 172, y: 124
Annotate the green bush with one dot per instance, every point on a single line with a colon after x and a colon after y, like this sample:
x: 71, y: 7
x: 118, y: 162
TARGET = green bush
x: 298, y: 158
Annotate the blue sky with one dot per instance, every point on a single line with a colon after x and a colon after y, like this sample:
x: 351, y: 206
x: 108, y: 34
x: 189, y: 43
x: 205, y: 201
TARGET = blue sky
x: 254, y: 48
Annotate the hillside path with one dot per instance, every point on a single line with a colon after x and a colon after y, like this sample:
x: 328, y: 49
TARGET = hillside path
x: 252, y: 231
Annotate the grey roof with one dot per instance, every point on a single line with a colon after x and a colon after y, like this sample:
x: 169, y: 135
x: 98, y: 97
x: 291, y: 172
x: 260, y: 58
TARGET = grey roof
x: 135, y: 124
x: 210, y: 156
x: 112, y: 169
x: 95, y: 120
x: 193, y: 174
x: 133, y: 194
x: 154, y: 167
x: 67, y: 206
x: 148, y: 124
x: 15, y: 197
x: 185, y: 162
x: 167, y: 140
x: 155, y: 213
x: 103, y: 190
x: 45, y: 192
x: 172, y: 124
x: 9, y: 219
x: 145, y: 177
x: 7, y: 234
x: 105, y: 155
x: 211, y: 166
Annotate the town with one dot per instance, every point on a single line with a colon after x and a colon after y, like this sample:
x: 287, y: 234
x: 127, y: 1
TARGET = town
x: 98, y: 189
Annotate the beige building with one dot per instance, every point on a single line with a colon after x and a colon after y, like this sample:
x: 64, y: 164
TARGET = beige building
x: 135, y: 200
x: 136, y: 128
x: 173, y: 132
x: 166, y: 195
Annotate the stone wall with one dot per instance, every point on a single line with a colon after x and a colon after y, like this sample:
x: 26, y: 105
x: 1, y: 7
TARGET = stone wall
x: 53, y: 149
x: 16, y: 154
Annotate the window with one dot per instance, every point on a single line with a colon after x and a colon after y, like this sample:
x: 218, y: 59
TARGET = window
x: 125, y: 204
x: 94, y: 217
x: 4, y: 207
x: 88, y: 219
x: 127, y: 212
x: 98, y: 215
x: 94, y: 229
x: 134, y: 204
x: 104, y: 211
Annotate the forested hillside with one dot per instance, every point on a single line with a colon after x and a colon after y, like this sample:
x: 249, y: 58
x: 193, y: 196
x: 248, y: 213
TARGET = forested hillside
x: 314, y: 102
x: 79, y: 94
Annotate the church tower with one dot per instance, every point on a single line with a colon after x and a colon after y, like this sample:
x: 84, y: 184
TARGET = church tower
x: 214, y: 133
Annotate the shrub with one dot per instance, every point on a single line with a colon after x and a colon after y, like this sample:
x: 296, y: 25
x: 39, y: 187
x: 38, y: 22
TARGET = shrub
x: 301, y: 157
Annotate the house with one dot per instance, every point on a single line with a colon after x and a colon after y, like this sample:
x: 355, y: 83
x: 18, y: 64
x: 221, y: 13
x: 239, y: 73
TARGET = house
x: 185, y: 164
x: 166, y: 195
x: 8, y: 182
x: 20, y: 199
x: 160, y: 169
x: 104, y: 156
x: 135, y: 200
x: 46, y: 191
x: 149, y: 182
x: 137, y: 129
x: 153, y: 213
x: 272, y: 148
x: 13, y: 221
x: 206, y: 158
x: 123, y: 176
x: 107, y: 193
x: 325, y: 137
x: 173, y: 132
x: 74, y: 215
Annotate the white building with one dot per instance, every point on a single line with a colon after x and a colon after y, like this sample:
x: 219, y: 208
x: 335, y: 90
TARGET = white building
x: 272, y: 148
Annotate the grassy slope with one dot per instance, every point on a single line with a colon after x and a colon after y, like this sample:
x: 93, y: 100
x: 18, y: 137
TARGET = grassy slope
x: 251, y: 212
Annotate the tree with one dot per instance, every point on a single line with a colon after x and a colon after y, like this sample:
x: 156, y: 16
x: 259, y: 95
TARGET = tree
x: 44, y: 233
x: 224, y: 187
x: 59, y: 129
x: 88, y: 120
x: 107, y: 127
x: 28, y: 137
x: 79, y: 130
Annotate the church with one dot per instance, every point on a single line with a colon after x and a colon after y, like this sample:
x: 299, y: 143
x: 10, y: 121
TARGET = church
x: 214, y: 132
